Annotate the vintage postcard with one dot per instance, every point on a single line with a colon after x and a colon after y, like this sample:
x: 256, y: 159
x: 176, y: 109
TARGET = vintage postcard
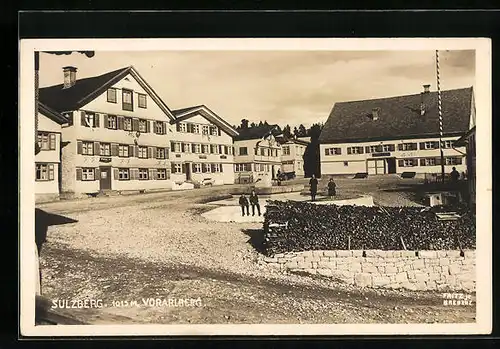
x: 255, y: 187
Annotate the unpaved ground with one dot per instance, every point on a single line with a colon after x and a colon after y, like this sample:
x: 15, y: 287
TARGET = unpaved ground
x: 158, y: 246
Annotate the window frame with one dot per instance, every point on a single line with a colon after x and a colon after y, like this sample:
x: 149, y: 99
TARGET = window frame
x: 86, y: 145
x: 159, y: 152
x: 125, y: 105
x: 122, y: 152
x: 112, y: 119
x: 139, y: 95
x: 159, y: 127
x: 127, y: 124
x: 85, y: 174
x: 43, y: 168
x: 177, y: 167
x: 115, y: 93
x: 106, y: 146
x: 143, y: 174
x: 159, y: 172
x: 240, y: 151
x: 142, y: 150
x: 142, y: 126
x: 122, y: 171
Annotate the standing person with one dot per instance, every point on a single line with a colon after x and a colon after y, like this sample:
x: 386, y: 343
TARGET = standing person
x: 454, y: 175
x: 278, y: 177
x: 331, y: 188
x: 244, y: 204
x: 254, y: 201
x: 313, y: 184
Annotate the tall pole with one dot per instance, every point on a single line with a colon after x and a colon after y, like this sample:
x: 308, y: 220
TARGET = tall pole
x: 37, y: 69
x: 440, y: 110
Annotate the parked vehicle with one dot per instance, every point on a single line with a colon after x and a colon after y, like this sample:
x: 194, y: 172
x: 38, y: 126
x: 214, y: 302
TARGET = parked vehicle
x: 283, y: 176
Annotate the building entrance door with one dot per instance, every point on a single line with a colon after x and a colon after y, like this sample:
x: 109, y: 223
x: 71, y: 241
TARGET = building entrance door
x: 376, y: 166
x: 187, y: 167
x: 391, y: 165
x: 105, y: 180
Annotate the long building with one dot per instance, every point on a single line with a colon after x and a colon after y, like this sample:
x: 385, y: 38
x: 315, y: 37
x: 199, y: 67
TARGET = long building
x: 396, y: 134
x: 119, y: 131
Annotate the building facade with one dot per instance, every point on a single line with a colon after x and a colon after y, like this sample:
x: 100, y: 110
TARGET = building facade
x: 469, y: 141
x: 396, y: 134
x: 292, y: 156
x: 257, y: 155
x: 117, y: 133
x: 48, y: 160
x: 201, y: 147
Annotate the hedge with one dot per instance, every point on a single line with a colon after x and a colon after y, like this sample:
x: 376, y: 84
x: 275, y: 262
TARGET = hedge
x: 293, y: 226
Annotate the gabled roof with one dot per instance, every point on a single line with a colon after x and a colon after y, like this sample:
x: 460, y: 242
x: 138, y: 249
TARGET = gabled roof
x: 87, y: 89
x: 51, y: 114
x: 256, y: 132
x: 203, y: 110
x: 398, y: 117
x: 462, y: 141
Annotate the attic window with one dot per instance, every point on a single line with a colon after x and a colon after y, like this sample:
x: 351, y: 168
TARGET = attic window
x: 375, y: 114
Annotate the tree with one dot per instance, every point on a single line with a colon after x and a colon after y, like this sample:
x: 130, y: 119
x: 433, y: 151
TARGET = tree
x: 287, y: 132
x: 253, y: 124
x: 244, y: 124
x: 295, y: 132
x: 265, y: 123
x: 312, y: 153
x: 302, y: 131
x: 261, y: 123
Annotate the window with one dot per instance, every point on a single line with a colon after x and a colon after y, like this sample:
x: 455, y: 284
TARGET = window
x: 430, y: 145
x: 430, y: 162
x: 89, y: 120
x: 127, y: 124
x: 453, y: 161
x: 88, y: 148
x: 159, y: 127
x: 88, y: 174
x: 286, y: 150
x: 176, y: 147
x: 386, y: 147
x: 354, y: 150
x: 177, y: 168
x: 141, y: 100
x: 105, y: 149
x: 47, y: 141
x: 196, y: 128
x: 161, y: 173
x: 409, y: 162
x: 205, y: 149
x: 142, y: 152
x: 123, y: 151
x: 197, y: 148
x: 111, y: 122
x: 205, y: 129
x: 407, y: 146
x: 374, y: 149
x: 127, y: 100
x: 242, y: 167
x: 123, y: 174
x: 143, y: 174
x: 447, y: 144
x: 182, y: 127
x: 333, y: 151
x: 160, y: 153
x: 205, y: 168
x: 143, y: 126
x: 214, y: 131
x: 112, y: 95
x: 243, y: 151
x: 216, y: 168
x: 44, y: 172
x: 196, y: 168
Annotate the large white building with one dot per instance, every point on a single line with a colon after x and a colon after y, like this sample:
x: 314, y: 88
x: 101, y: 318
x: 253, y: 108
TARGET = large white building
x: 396, y: 134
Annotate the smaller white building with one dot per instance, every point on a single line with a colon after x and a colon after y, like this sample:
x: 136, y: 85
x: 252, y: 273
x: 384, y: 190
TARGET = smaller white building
x: 292, y: 156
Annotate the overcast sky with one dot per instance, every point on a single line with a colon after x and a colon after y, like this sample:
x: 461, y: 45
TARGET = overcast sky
x: 278, y: 86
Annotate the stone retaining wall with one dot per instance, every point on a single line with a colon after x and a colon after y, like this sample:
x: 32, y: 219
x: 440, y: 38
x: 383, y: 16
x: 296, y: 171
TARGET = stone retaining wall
x: 413, y: 270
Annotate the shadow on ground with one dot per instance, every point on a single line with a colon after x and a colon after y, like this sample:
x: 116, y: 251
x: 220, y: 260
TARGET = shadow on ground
x: 43, y: 220
x: 256, y: 239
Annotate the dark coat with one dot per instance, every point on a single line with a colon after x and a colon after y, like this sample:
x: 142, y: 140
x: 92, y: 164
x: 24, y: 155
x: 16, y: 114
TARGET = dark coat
x: 243, y: 201
x: 254, y: 199
x: 313, y: 182
x: 331, y: 188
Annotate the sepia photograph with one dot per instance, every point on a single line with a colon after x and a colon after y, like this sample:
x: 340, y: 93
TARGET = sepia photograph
x: 266, y: 186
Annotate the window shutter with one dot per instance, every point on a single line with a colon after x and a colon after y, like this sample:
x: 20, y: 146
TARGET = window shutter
x: 52, y: 141
x: 183, y: 168
x: 391, y: 147
x: 361, y: 150
x: 400, y: 147
x: 438, y: 161
x: 379, y: 148
x: 459, y: 160
x: 189, y: 128
x: 172, y: 167
x: 401, y: 163
x: 148, y: 126
x: 82, y: 119
x: 79, y: 147
x: 166, y: 153
x: 51, y: 172
x: 326, y: 151
x: 97, y: 174
x: 97, y: 148
x: 151, y: 174
x: 105, y: 118
x: 69, y: 116
x: 96, y: 120
x: 219, y: 131
x: 131, y: 151
x: 422, y: 145
x: 136, y: 150
x: 135, y: 125
x: 177, y: 127
x: 78, y: 174
x: 435, y: 144
x: 120, y: 123
x: 414, y: 146
x: 349, y: 151
x: 114, y: 149
x: 116, y: 173
x: 203, y: 168
x: 151, y: 153
x: 221, y: 166
x: 220, y: 149
x: 422, y: 162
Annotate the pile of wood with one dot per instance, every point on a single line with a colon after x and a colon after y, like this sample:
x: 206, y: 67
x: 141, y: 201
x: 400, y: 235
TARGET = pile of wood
x: 301, y: 226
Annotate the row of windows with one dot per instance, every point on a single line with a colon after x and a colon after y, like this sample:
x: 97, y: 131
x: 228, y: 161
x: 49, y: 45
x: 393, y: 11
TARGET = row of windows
x: 449, y: 160
x: 298, y: 150
x: 127, y: 99
x: 115, y: 122
x: 188, y: 127
x: 247, y: 167
x: 44, y: 172
x: 121, y: 150
x: 93, y: 174
x: 259, y: 151
x: 197, y: 168
x: 381, y: 148
x: 198, y: 148
x: 46, y: 140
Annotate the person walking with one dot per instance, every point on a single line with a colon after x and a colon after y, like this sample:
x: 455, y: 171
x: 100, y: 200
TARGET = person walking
x: 331, y: 188
x: 244, y: 205
x: 254, y: 201
x: 313, y: 184
x: 454, y: 175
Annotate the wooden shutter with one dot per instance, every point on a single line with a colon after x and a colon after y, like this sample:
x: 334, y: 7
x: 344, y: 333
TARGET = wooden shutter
x: 219, y: 131
x: 52, y: 141
x: 105, y: 118
x: 459, y: 160
x: 401, y: 163
x: 189, y: 128
x: 193, y: 148
x: 349, y: 150
x: 97, y: 148
x: 361, y: 150
x: 131, y: 151
x: 97, y: 174
x: 135, y: 124
x: 221, y: 166
x: 119, y: 123
x: 391, y: 147
x: 438, y: 160
x: 435, y: 144
x: 51, y: 172
x: 148, y: 126
x: 82, y: 119
x: 114, y: 149
x: 220, y: 149
x: 166, y: 153
x: 151, y: 174
x: 136, y: 150
x: 116, y: 173
x: 69, y: 116
x: 165, y: 126
x: 151, y: 154
x: 79, y: 147
x: 422, y: 162
x: 422, y: 145
x: 367, y: 149
x: 414, y: 146
x: 183, y: 168
x: 97, y: 122
x: 177, y: 127
x: 400, y: 147
x: 172, y: 167
x: 78, y: 174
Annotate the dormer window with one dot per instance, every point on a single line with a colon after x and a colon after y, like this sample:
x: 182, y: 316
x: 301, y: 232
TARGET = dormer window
x: 127, y: 100
x: 375, y: 114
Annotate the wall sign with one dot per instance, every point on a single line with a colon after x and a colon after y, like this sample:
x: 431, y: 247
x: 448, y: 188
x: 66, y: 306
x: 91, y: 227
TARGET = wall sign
x: 104, y: 159
x: 376, y: 155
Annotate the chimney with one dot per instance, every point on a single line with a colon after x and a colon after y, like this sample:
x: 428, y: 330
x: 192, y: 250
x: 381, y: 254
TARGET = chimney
x: 426, y: 88
x: 69, y: 76
x: 375, y: 112
x: 423, y: 94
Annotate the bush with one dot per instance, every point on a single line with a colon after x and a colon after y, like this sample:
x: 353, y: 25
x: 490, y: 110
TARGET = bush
x: 300, y: 226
